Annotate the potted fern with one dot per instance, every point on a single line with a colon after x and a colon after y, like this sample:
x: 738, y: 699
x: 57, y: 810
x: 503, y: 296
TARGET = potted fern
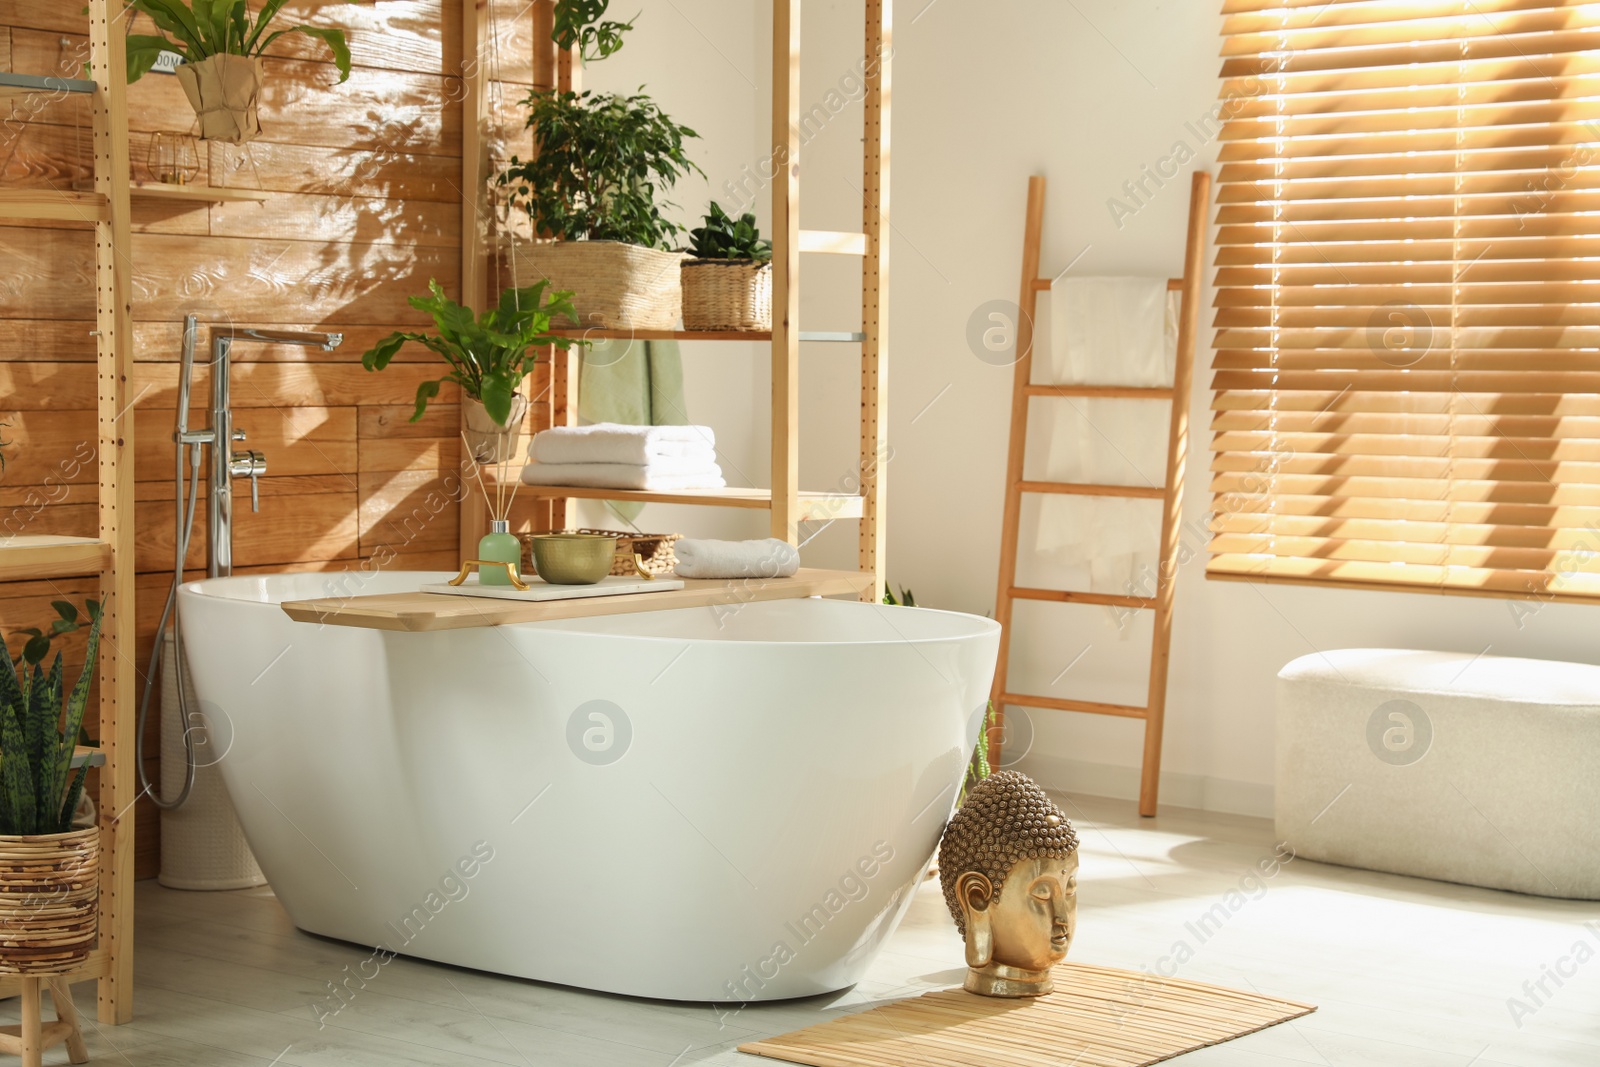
x: 488, y: 354
x: 49, y: 872
x: 221, y: 42
x: 728, y: 283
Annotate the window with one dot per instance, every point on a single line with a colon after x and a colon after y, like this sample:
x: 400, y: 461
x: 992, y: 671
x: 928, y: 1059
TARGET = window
x: 1407, y: 373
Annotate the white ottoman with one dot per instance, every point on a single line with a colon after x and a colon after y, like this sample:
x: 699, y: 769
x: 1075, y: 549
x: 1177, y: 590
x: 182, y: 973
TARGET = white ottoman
x: 1475, y: 769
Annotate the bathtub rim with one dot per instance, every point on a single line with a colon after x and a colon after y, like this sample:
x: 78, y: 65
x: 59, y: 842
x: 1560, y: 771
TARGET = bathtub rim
x: 972, y: 627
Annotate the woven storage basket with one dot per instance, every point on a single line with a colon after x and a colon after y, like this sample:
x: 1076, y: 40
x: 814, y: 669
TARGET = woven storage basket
x: 615, y: 286
x: 49, y: 901
x: 654, y: 551
x: 727, y: 294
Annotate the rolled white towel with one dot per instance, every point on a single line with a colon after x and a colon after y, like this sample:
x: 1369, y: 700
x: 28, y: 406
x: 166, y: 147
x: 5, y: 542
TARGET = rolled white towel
x: 610, y: 442
x: 660, y: 478
x: 736, y: 559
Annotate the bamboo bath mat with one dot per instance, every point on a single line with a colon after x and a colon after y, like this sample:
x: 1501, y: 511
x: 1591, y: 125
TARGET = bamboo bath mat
x: 1097, y: 1017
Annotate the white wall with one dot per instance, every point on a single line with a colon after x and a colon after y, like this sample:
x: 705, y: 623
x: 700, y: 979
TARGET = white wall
x: 1087, y: 94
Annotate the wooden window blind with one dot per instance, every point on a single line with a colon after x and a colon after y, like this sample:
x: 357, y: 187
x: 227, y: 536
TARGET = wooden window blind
x: 1407, y: 374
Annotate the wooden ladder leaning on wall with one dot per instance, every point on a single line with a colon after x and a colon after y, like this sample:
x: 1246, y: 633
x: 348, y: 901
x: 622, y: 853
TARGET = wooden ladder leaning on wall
x: 1171, y: 493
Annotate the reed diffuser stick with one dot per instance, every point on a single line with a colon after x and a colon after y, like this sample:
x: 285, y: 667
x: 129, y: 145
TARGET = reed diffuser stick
x: 477, y: 470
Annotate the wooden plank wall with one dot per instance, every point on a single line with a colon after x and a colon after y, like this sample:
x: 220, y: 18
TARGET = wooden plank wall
x: 366, y: 209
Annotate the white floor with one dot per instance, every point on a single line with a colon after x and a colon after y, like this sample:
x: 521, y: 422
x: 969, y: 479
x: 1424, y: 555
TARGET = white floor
x: 1405, y: 972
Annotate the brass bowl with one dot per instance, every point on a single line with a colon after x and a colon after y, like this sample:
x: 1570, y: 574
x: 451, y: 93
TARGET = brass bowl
x: 573, y: 559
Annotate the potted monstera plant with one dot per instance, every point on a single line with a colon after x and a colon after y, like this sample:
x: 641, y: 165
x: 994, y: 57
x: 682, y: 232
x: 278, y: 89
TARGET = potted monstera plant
x: 49, y: 871
x: 728, y: 283
x: 221, y: 42
x: 488, y: 354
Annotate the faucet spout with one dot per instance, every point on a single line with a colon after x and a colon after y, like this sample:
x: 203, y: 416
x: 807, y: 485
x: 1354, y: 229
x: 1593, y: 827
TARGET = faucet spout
x: 325, y: 341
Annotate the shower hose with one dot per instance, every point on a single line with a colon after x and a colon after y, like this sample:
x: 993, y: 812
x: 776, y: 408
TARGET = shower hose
x: 185, y: 519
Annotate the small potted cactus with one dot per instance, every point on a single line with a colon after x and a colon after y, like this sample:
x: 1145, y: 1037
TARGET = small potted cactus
x: 728, y: 283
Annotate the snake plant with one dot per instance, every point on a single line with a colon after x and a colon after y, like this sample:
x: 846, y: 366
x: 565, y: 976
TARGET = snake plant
x: 39, y: 729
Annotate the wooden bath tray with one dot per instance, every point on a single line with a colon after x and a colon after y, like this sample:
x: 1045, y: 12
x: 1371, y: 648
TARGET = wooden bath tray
x: 421, y: 612
x: 540, y: 591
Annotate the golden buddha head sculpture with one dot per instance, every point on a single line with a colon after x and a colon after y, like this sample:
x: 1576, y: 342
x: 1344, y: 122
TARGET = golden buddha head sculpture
x: 1008, y: 864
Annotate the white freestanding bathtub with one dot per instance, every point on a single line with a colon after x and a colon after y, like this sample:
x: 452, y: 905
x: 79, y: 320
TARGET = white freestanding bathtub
x: 723, y: 804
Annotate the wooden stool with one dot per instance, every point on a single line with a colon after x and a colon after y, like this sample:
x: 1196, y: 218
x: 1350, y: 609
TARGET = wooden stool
x: 34, y: 1035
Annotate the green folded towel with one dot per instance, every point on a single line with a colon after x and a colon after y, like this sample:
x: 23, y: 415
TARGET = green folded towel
x: 635, y: 383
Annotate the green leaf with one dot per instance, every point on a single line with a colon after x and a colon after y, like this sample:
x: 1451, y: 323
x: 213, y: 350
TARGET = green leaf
x: 16, y: 778
x: 76, y: 703
x: 269, y: 11
x: 37, y: 648
x: 74, y: 794
x: 333, y: 38
x: 174, y: 17
x: 426, y: 391
x: 66, y: 609
x: 497, y: 396
x: 378, y: 356
x: 143, y: 51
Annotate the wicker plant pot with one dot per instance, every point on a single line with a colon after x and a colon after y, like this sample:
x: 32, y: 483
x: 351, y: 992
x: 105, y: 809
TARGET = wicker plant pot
x: 49, y: 901
x: 727, y: 294
x: 615, y: 286
x: 655, y: 551
x: 225, y: 91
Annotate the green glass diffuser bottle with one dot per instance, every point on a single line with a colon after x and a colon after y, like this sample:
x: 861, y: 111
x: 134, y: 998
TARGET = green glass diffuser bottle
x: 499, y: 545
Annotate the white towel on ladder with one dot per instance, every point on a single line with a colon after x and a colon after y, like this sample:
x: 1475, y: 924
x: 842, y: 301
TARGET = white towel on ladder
x: 1106, y: 331
x: 1112, y: 331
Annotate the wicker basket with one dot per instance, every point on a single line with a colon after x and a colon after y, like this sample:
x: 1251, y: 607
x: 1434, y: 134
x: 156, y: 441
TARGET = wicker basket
x: 616, y: 286
x: 654, y: 551
x: 727, y: 294
x: 49, y: 901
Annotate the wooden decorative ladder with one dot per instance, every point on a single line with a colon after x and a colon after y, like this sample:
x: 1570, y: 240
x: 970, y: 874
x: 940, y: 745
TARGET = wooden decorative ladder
x: 1171, y: 493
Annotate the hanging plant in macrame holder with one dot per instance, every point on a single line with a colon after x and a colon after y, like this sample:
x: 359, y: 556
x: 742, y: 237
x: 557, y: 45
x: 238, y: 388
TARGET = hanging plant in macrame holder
x: 225, y: 92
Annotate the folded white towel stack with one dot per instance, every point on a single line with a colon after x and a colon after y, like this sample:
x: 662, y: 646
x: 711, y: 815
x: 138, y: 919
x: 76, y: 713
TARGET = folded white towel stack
x: 612, y: 456
x: 610, y: 442
x: 625, y: 476
x: 736, y: 559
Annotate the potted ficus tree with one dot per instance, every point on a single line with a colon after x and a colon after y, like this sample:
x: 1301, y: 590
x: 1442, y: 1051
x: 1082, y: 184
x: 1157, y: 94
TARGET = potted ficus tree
x: 488, y: 354
x: 593, y: 190
x: 49, y: 871
x: 221, y: 42
x: 728, y: 283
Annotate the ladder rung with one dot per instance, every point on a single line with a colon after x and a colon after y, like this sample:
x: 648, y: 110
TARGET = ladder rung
x: 1125, y: 392
x: 1073, y: 596
x: 1143, y: 492
x: 1126, y: 711
x: 834, y: 242
x: 53, y: 204
x: 1044, y: 284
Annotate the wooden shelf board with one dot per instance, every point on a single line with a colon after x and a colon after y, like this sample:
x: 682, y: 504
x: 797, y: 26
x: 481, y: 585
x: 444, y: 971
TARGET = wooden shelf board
x: 32, y: 556
x: 208, y: 194
x: 54, y: 204
x: 808, y: 336
x: 423, y: 612
x: 189, y: 194
x: 813, y: 506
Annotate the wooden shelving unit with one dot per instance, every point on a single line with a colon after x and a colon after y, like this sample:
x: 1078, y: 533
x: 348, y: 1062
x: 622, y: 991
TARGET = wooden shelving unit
x: 788, y: 504
x: 110, y: 555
